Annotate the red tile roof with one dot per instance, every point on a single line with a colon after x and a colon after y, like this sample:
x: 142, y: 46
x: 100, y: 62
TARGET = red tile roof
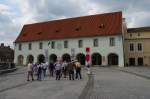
x: 85, y: 26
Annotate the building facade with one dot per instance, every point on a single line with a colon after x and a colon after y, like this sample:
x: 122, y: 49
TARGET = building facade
x: 137, y: 47
x: 6, y: 57
x: 6, y: 54
x: 68, y: 39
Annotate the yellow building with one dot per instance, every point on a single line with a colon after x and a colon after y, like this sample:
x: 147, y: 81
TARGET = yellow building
x: 137, y: 46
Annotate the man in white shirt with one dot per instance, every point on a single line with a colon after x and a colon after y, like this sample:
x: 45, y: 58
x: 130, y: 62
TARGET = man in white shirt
x: 64, y: 66
x: 30, y: 72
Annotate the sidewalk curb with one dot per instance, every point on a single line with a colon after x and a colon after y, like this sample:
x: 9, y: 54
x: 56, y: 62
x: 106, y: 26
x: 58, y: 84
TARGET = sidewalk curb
x: 136, y: 74
x: 7, y: 71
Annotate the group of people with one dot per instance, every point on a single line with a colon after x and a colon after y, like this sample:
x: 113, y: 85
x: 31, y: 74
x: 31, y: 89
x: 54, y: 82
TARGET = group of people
x: 58, y: 68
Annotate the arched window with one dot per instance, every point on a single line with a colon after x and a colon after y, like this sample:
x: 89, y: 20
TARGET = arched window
x: 112, y: 59
x: 96, y: 59
x: 41, y: 58
x: 81, y: 58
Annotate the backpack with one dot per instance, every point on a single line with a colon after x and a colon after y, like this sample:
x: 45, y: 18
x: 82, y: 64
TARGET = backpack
x: 78, y: 65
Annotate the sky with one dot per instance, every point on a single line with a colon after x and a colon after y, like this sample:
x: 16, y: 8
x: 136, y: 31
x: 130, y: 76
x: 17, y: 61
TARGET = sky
x: 15, y: 13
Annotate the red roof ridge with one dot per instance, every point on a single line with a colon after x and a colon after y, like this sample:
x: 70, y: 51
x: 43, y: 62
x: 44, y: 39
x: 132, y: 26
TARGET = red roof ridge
x: 70, y: 18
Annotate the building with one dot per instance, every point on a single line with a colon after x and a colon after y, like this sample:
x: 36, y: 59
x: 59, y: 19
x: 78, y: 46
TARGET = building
x: 67, y: 38
x: 6, y: 54
x: 6, y: 57
x: 137, y: 47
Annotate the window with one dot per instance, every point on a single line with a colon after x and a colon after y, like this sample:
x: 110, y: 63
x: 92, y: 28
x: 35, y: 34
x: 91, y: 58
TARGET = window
x: 95, y: 42
x: 20, y: 47
x: 30, y: 46
x: 130, y: 35
x: 80, y: 43
x: 139, y: 47
x: 53, y: 45
x: 112, y: 41
x: 131, y: 47
x: 65, y: 44
x: 132, y: 61
x: 40, y: 45
x: 140, y: 61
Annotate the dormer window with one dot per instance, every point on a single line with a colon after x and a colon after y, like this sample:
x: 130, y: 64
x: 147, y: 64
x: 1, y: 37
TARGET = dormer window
x: 78, y: 28
x: 24, y: 34
x: 101, y: 26
x: 39, y: 33
x: 57, y: 31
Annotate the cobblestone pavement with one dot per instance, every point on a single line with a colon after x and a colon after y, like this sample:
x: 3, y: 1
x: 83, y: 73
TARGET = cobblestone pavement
x: 15, y: 86
x: 113, y: 84
x: 104, y: 83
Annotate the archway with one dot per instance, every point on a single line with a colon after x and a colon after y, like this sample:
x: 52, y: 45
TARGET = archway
x: 20, y: 59
x: 112, y: 59
x: 96, y: 59
x: 66, y: 57
x: 53, y: 58
x: 41, y: 58
x: 30, y: 59
x: 81, y: 58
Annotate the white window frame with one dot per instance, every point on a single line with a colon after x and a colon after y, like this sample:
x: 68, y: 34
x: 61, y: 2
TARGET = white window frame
x: 19, y: 46
x: 137, y: 46
x: 53, y: 46
x: 113, y: 43
x: 66, y: 44
x: 80, y: 43
x: 95, y: 42
x: 134, y: 48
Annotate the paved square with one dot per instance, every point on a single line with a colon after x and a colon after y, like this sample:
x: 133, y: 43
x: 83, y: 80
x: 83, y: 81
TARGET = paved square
x: 105, y: 83
x: 15, y: 86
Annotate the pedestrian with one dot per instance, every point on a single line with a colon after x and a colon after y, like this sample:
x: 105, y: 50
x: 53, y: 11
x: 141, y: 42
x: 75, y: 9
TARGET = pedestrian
x: 51, y: 68
x: 78, y: 70
x: 44, y: 69
x: 64, y: 66
x: 71, y: 70
x: 39, y: 72
x: 58, y: 68
x: 30, y: 72
x: 35, y: 69
x: 42, y: 74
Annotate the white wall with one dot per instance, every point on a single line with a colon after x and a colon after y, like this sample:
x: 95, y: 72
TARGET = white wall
x: 104, y: 49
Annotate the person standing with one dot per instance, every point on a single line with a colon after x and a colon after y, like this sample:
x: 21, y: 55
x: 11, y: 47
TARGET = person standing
x: 78, y: 70
x: 51, y: 68
x: 42, y: 73
x: 71, y: 70
x: 44, y: 69
x: 30, y: 72
x: 39, y: 72
x: 58, y: 68
x: 64, y: 66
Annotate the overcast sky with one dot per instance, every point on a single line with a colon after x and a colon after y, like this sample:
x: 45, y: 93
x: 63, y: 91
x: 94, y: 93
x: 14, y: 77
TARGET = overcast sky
x: 15, y: 13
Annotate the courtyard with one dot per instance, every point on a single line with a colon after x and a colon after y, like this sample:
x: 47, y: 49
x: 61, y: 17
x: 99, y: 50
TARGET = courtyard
x: 104, y: 83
